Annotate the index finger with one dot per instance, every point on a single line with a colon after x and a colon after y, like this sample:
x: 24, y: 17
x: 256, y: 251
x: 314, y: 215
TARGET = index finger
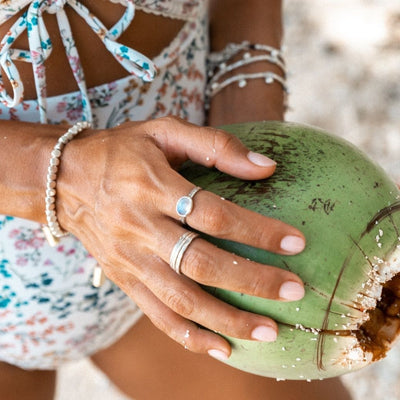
x: 210, y: 147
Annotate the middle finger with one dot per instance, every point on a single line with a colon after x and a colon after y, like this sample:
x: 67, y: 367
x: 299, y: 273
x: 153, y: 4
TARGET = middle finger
x: 221, y: 218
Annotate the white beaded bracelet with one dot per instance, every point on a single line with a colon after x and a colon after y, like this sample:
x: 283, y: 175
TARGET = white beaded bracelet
x: 53, y: 230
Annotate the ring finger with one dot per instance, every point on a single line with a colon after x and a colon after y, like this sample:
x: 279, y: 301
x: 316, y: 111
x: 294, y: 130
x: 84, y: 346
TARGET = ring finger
x: 209, y: 265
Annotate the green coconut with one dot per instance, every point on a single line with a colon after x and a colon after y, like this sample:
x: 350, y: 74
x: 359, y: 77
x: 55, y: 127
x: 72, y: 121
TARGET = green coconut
x: 348, y: 209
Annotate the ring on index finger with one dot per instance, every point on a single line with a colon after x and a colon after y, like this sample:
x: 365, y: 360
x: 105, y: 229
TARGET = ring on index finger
x: 184, y: 205
x: 179, y: 250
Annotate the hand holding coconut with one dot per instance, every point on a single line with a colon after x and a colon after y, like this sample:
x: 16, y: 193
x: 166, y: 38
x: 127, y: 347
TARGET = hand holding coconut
x: 126, y: 217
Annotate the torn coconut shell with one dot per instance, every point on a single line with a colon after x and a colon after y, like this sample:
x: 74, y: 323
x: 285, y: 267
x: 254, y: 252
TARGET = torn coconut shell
x: 349, y: 211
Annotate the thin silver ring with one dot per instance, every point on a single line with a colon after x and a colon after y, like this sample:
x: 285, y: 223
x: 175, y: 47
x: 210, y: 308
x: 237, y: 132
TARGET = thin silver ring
x: 179, y: 249
x: 184, y: 205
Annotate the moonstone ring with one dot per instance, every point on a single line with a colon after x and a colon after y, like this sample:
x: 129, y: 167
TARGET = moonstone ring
x: 179, y: 250
x: 184, y: 205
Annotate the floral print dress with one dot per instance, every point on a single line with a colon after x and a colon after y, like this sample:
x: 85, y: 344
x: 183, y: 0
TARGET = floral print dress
x: 49, y: 311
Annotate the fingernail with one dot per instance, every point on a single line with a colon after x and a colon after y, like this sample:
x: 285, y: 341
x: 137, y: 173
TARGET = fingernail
x: 260, y: 160
x: 218, y: 354
x: 264, y: 334
x: 292, y: 244
x: 291, y: 291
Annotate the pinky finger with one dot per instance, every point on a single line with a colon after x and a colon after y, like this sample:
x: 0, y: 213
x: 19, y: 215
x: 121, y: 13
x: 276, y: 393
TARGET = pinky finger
x: 185, y: 332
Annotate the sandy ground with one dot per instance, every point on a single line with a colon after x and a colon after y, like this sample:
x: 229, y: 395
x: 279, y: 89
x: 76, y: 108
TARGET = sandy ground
x: 344, y: 58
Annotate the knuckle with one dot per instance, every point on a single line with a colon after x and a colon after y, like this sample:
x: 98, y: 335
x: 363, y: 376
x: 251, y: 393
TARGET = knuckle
x: 265, y: 234
x: 230, y: 324
x: 217, y: 220
x: 224, y: 140
x: 259, y: 287
x: 190, y: 343
x: 199, y: 265
x: 162, y: 122
x: 180, y: 301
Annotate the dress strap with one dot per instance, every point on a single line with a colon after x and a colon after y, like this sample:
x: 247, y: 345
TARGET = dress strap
x: 40, y: 47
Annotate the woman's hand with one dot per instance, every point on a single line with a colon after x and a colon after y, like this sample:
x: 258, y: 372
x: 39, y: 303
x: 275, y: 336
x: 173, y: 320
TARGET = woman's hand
x: 117, y: 191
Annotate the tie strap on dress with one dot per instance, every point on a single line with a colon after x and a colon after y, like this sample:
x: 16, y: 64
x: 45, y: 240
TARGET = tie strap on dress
x: 40, y: 48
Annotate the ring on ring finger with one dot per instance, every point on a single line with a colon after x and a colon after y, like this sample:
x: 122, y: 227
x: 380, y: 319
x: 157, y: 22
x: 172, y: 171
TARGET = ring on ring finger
x: 179, y: 249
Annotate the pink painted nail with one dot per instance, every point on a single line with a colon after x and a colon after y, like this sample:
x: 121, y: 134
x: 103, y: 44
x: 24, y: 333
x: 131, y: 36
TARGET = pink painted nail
x: 291, y: 291
x: 260, y: 160
x: 293, y: 244
x: 218, y: 354
x: 264, y: 334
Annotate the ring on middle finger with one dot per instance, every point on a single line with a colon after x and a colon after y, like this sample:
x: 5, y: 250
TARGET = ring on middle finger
x: 184, y: 205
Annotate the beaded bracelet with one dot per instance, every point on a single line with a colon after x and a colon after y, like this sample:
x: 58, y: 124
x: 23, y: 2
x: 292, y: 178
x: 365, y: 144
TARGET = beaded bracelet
x: 53, y: 230
x: 269, y: 77
x: 215, y: 59
x: 217, y: 66
x: 246, y: 60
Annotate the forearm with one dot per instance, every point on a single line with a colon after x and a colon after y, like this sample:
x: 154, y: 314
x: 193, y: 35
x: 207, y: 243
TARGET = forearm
x: 24, y: 156
x: 256, y: 21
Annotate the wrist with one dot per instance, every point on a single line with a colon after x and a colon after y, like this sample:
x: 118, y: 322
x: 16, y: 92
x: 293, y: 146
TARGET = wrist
x: 247, y: 82
x: 24, y: 156
x: 77, y: 178
x: 254, y: 104
x: 54, y: 230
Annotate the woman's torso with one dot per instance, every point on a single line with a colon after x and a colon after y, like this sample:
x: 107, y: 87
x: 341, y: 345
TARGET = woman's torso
x: 148, y: 19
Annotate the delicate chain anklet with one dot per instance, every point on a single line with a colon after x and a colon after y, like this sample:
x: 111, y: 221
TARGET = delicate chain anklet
x: 53, y: 230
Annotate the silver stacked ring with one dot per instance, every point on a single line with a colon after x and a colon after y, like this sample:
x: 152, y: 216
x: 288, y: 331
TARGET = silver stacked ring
x: 179, y: 249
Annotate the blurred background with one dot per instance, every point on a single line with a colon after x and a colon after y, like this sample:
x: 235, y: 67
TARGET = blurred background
x: 344, y: 63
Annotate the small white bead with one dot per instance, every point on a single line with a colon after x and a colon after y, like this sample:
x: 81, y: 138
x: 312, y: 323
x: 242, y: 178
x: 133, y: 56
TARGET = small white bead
x: 54, y: 161
x: 242, y: 83
x: 274, y: 53
x: 56, y: 153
